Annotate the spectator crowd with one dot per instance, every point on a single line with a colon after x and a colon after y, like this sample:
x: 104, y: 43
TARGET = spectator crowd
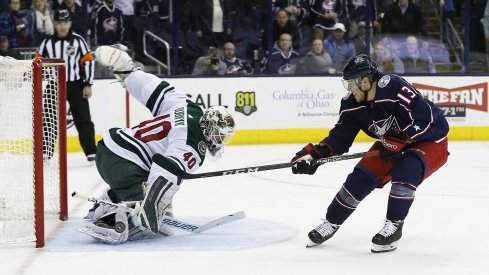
x: 240, y: 37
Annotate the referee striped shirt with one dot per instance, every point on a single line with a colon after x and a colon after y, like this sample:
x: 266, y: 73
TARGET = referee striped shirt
x: 74, y: 50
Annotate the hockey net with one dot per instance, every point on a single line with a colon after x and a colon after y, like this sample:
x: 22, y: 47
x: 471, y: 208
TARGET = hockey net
x: 32, y: 147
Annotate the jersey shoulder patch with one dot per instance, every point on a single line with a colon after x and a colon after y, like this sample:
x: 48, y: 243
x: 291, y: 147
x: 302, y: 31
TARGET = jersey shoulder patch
x: 384, y: 81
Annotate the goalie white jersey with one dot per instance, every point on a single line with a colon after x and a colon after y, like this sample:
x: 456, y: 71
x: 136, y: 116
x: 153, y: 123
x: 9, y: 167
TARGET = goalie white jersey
x: 174, y: 132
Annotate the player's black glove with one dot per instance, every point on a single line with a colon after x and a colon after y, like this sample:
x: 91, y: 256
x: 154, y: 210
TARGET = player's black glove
x: 393, y: 144
x: 302, y: 160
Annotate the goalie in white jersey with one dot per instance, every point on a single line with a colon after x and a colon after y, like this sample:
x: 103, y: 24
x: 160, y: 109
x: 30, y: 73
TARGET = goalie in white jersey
x: 157, y: 152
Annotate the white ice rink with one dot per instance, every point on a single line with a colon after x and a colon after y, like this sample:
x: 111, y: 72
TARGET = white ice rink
x: 446, y: 231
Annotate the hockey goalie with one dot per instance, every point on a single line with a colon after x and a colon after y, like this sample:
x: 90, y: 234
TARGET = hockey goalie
x: 144, y: 165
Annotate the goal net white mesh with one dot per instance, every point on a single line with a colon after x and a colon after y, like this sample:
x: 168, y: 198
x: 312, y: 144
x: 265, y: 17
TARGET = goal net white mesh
x: 17, y: 164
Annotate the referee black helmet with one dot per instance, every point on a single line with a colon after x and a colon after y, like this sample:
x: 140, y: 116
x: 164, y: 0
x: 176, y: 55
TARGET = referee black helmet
x: 62, y: 15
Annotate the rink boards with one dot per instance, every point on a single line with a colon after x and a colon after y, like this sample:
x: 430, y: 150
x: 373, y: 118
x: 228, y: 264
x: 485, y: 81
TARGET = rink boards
x: 271, y: 110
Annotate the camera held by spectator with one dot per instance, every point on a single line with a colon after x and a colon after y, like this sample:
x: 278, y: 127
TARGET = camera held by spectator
x: 210, y: 64
x: 214, y: 61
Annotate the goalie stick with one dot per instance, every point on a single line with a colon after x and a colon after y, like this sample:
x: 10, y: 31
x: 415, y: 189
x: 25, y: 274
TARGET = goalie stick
x: 254, y: 169
x: 189, y: 227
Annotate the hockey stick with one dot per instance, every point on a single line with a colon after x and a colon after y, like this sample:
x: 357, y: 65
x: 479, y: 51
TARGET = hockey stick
x: 192, y: 228
x: 254, y: 169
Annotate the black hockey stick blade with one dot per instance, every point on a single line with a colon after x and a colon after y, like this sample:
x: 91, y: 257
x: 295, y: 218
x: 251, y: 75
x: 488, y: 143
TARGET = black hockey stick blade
x: 255, y: 169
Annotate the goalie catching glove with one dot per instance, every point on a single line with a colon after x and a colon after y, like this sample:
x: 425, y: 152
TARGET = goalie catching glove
x: 302, y: 162
x: 393, y: 144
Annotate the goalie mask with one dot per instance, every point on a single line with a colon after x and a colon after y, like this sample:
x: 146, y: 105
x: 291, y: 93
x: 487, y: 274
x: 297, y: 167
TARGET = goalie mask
x: 218, y: 128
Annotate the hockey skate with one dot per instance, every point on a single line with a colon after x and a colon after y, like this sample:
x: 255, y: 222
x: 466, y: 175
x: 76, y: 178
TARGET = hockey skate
x: 386, y: 239
x: 116, y: 59
x: 322, y: 233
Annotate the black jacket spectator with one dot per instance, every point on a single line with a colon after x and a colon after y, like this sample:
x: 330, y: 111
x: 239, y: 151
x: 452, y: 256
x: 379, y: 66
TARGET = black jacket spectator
x: 409, y: 22
x: 282, y: 24
x: 301, y: 6
x: 203, y: 18
x: 76, y: 14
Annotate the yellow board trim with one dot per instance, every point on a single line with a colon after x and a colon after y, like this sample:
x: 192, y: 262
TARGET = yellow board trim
x: 278, y: 136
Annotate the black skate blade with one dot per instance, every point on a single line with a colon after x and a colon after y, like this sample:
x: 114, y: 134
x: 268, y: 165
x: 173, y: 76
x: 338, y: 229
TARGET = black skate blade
x: 383, y: 248
x: 312, y: 244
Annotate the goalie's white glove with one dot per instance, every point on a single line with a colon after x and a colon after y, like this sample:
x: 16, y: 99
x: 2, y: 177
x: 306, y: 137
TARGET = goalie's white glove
x: 116, y: 59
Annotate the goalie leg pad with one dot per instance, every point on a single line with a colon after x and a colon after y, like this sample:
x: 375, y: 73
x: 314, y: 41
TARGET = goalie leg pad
x: 156, y: 203
x: 112, y: 228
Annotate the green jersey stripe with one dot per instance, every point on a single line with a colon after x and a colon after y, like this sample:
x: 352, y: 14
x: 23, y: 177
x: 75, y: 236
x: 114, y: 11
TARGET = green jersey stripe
x: 153, y: 99
x: 133, y: 146
x: 160, y: 101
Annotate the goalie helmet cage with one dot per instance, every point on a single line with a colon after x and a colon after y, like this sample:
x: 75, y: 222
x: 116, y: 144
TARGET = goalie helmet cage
x: 33, y: 181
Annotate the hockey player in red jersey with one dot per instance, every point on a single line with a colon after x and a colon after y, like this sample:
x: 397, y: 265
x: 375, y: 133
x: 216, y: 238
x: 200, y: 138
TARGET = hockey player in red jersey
x: 412, y: 145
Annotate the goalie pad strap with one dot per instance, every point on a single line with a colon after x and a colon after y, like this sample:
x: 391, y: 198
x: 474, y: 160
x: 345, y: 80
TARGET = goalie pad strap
x: 169, y: 165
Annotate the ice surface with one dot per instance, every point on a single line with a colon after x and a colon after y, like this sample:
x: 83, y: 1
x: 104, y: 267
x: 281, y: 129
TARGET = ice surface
x: 445, y: 232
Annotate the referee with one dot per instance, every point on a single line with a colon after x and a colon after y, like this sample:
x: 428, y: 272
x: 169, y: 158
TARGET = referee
x: 79, y: 75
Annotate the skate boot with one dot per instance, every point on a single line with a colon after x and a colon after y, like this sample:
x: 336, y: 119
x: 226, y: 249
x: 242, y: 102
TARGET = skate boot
x: 322, y: 233
x: 116, y: 59
x: 386, y: 239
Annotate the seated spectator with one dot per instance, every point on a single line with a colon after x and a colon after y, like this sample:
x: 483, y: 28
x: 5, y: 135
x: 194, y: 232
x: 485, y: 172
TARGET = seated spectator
x: 298, y: 10
x: 108, y: 24
x: 325, y: 14
x: 14, y: 25
x: 283, y: 59
x: 404, y: 18
x: 5, y: 48
x: 415, y: 59
x: 359, y: 40
x: 339, y: 50
x: 386, y: 61
x: 358, y: 13
x: 317, y: 60
x: 281, y: 25
x: 211, y: 64
x: 40, y: 21
x: 235, y: 65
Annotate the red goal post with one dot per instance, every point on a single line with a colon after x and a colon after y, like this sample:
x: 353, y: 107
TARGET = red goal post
x: 33, y: 186
x: 38, y: 65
